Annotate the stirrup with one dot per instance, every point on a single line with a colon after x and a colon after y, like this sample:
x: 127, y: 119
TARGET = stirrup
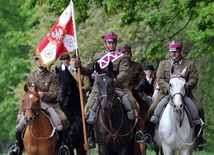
x: 147, y: 139
x: 201, y: 142
x: 64, y: 150
x: 14, y: 150
x: 139, y: 136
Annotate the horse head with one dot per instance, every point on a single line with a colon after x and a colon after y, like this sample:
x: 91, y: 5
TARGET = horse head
x: 177, y: 85
x: 64, y: 85
x: 105, y: 85
x: 31, y: 103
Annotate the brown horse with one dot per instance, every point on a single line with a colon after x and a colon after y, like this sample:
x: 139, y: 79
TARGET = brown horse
x: 140, y: 148
x: 39, y: 136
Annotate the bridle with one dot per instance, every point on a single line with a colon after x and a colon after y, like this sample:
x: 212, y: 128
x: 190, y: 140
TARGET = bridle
x: 35, y: 111
x: 114, y: 133
x: 177, y: 93
x: 101, y: 97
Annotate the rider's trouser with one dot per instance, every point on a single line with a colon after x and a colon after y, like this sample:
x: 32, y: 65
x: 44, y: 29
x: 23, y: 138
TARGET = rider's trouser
x: 93, y: 94
x: 161, y: 96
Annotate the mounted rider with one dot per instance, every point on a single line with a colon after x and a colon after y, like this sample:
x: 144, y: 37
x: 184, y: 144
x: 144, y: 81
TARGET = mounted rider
x: 163, y: 76
x: 47, y: 82
x: 120, y: 67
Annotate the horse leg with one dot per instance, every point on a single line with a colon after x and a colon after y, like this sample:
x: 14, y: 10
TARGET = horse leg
x: 167, y: 150
x: 71, y: 151
x: 103, y: 150
x: 185, y: 152
x: 142, y: 149
x: 80, y: 150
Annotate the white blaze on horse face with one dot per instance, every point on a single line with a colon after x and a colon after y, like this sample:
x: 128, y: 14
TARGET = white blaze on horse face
x: 31, y: 96
x: 177, y: 91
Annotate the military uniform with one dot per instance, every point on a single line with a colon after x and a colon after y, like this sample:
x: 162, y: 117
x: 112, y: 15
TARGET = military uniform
x: 120, y: 67
x: 163, y: 77
x: 47, y: 82
x: 85, y: 82
x: 135, y: 73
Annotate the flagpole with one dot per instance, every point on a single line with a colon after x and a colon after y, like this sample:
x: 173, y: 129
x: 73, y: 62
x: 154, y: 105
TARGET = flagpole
x: 86, y: 147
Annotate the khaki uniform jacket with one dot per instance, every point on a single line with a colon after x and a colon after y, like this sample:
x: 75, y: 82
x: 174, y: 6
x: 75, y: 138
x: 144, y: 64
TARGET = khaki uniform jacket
x: 163, y: 75
x: 47, y: 83
x: 135, y: 73
x: 85, y: 80
x: 120, y: 67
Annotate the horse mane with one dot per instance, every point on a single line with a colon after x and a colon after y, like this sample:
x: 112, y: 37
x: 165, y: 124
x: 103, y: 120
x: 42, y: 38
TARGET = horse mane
x: 68, y: 82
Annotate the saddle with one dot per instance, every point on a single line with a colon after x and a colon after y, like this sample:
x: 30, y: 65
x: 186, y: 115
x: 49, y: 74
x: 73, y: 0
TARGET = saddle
x: 189, y: 107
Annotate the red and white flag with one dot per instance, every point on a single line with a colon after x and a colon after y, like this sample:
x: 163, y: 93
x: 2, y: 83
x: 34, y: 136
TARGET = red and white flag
x: 60, y: 40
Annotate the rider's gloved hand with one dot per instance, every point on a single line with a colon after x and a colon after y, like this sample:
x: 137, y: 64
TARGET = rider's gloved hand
x: 77, y: 63
x: 139, y: 88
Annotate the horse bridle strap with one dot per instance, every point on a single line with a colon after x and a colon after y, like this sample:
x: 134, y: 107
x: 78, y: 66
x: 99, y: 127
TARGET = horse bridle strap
x: 36, y: 113
x: 52, y: 133
x: 115, y: 134
x: 103, y: 96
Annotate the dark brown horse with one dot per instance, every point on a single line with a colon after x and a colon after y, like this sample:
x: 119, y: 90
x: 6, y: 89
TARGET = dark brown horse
x: 39, y: 136
x: 69, y: 100
x: 114, y: 131
x: 140, y: 148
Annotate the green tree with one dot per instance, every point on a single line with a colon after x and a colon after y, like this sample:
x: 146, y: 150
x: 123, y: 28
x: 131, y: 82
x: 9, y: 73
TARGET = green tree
x: 148, y: 26
x: 13, y: 61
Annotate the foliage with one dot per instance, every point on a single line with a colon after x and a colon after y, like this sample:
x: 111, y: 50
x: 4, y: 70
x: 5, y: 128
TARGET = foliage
x: 148, y: 26
x: 13, y: 62
x: 164, y: 18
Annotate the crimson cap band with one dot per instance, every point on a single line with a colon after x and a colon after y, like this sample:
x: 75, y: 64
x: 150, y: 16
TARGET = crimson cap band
x: 125, y: 48
x: 175, y: 46
x: 111, y: 37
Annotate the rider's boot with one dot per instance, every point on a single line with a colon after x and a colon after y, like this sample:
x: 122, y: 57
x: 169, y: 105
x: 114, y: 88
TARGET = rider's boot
x: 63, y: 148
x: 200, y: 141
x: 147, y: 138
x: 91, y: 139
x: 18, y: 147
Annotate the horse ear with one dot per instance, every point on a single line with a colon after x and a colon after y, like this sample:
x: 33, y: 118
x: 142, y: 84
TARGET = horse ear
x: 184, y: 72
x: 56, y: 69
x: 172, y: 70
x: 36, y: 88
x: 110, y: 66
x: 97, y: 67
x: 25, y: 88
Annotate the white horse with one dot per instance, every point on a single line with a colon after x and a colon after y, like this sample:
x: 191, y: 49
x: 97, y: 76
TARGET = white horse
x: 174, y: 132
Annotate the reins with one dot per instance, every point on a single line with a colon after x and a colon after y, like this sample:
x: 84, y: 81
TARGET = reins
x: 36, y: 114
x: 115, y: 134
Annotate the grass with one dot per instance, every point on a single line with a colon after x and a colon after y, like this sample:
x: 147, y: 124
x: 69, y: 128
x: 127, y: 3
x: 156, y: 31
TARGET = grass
x: 149, y: 152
